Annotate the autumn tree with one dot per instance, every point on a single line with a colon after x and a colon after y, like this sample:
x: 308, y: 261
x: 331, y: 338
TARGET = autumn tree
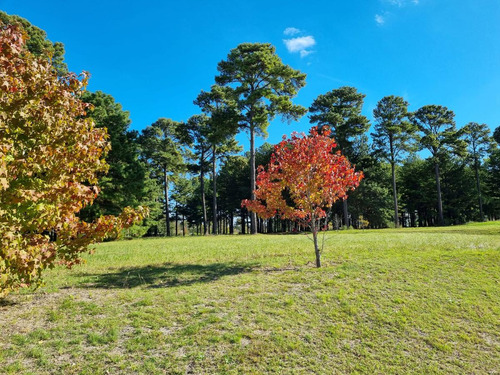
x: 340, y: 111
x: 38, y: 44
x: 50, y: 155
x: 304, y: 178
x: 479, y: 142
x: 393, y: 136
x: 262, y: 87
x: 439, y: 136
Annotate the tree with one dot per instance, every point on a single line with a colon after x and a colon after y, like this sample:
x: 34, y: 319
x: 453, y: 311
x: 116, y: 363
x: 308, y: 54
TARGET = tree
x: 340, y: 111
x: 38, y: 44
x: 222, y: 125
x: 199, y: 129
x: 492, y: 180
x: 478, y: 139
x: 439, y: 136
x: 262, y: 87
x: 304, y: 178
x: 50, y: 156
x: 162, y: 147
x: 392, y: 136
x: 234, y: 187
x: 496, y: 135
x: 125, y: 183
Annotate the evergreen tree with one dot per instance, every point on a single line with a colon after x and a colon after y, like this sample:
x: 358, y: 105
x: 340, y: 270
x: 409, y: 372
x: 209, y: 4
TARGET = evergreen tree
x: 262, y: 87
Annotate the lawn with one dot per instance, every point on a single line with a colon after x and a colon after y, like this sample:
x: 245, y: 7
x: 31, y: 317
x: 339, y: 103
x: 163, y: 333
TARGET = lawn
x: 420, y: 300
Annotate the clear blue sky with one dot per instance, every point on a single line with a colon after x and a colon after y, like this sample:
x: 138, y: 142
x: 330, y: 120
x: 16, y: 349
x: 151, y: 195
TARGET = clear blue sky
x: 155, y: 56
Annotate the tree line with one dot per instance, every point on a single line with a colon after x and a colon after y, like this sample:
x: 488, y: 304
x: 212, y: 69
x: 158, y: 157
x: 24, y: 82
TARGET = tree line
x: 420, y: 169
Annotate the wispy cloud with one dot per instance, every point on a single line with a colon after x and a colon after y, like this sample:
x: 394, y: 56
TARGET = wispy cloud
x: 389, y: 5
x: 290, y: 31
x: 379, y: 19
x: 300, y: 45
x: 401, y: 3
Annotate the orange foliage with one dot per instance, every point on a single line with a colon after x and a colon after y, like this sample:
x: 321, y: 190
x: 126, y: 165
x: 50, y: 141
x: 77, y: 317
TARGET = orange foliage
x: 50, y: 156
x: 304, y: 178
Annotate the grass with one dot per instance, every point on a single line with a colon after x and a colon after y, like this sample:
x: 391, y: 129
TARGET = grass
x: 423, y: 300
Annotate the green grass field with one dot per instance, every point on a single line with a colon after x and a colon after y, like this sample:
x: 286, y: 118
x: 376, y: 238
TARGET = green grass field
x: 422, y: 300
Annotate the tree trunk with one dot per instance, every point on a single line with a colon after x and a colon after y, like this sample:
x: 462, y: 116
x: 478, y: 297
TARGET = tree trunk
x: 214, y: 193
x: 253, y: 216
x: 440, y: 201
x: 478, y: 186
x: 183, y: 226
x: 202, y: 187
x: 167, y: 210
x: 314, y: 230
x: 231, y: 223
x: 243, y: 221
x: 176, y: 222
x: 395, y: 195
x: 346, y: 213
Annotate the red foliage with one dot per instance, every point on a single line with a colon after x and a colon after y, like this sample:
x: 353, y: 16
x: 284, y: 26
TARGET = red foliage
x: 304, y: 178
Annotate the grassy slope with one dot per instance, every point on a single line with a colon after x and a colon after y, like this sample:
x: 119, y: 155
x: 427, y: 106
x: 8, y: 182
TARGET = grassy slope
x: 388, y: 301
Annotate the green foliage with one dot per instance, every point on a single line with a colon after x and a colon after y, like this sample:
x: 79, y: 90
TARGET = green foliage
x: 394, y: 134
x: 438, y: 133
x: 38, y: 44
x: 496, y: 135
x: 261, y: 85
x: 340, y: 110
x: 492, y: 182
x: 125, y: 182
x: 163, y: 149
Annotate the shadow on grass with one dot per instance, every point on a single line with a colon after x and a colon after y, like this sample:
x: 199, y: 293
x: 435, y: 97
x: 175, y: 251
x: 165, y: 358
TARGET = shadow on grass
x: 164, y: 276
x: 457, y: 230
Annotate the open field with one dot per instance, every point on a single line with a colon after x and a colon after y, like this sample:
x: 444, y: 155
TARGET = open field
x: 422, y: 300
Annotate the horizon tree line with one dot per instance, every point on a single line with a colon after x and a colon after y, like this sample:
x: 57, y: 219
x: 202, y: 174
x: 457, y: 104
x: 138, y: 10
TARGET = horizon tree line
x: 166, y: 165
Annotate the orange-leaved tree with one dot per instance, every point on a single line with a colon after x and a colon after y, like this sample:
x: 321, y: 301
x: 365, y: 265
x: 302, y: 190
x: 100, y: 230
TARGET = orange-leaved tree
x: 50, y: 156
x: 304, y: 178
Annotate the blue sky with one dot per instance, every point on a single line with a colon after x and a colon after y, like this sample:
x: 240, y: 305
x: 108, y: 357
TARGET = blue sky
x: 154, y: 57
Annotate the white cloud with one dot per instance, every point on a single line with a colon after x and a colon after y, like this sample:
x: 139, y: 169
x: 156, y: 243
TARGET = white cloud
x: 380, y: 20
x: 300, y: 44
x: 304, y: 53
x: 401, y: 3
x: 289, y: 31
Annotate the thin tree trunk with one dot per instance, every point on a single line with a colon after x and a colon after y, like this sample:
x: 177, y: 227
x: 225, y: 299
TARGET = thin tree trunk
x: 202, y: 186
x: 183, y: 226
x: 440, y: 201
x: 478, y: 186
x: 346, y: 213
x: 214, y: 193
x: 167, y: 210
x: 176, y: 222
x: 395, y: 195
x: 253, y: 216
x: 243, y: 221
x: 231, y: 223
x: 314, y: 230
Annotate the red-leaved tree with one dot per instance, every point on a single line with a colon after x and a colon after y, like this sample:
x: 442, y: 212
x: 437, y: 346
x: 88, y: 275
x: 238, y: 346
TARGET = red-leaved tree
x: 50, y: 158
x: 304, y: 178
